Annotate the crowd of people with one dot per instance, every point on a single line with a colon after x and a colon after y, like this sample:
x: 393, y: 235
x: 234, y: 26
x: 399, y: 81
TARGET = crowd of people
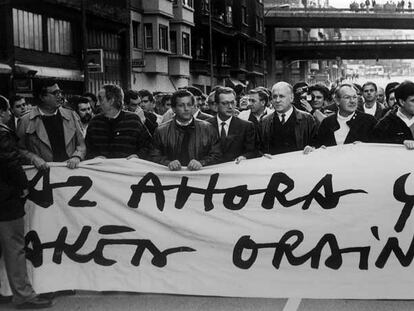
x: 184, y: 129
x: 389, y: 6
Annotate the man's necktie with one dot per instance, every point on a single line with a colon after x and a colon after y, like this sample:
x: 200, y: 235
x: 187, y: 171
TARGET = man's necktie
x: 283, y: 118
x: 223, y: 131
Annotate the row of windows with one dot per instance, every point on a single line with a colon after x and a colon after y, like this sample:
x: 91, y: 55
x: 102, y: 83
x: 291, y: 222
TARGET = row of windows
x: 223, y: 54
x: 165, y: 38
x: 29, y: 30
x: 227, y: 16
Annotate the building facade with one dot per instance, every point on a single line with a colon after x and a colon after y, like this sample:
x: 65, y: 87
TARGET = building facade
x: 48, y: 38
x: 161, y: 44
x: 237, y: 43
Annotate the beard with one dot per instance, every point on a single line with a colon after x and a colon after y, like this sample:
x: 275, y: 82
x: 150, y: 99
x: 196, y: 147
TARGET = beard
x: 86, y: 118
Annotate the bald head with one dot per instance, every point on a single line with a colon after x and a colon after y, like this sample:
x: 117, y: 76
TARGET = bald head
x: 282, y: 96
x: 283, y: 84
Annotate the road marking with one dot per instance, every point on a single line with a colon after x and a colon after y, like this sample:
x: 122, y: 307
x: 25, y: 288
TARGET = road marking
x: 292, y: 304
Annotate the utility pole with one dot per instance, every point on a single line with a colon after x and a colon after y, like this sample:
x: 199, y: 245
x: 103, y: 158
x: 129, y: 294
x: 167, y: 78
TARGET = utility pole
x: 211, y: 45
x: 85, y: 48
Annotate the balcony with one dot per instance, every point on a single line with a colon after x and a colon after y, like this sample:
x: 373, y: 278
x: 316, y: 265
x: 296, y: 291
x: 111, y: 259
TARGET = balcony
x: 163, y: 7
x: 184, y: 14
x: 178, y: 67
x: 219, y: 25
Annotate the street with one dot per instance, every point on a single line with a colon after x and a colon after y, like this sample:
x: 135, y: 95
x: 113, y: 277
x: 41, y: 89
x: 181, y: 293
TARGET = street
x: 152, y: 302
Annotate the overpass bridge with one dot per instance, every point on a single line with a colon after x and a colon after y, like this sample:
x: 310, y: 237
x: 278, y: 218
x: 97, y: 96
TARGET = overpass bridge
x: 378, y: 18
x: 337, y: 18
x: 360, y: 49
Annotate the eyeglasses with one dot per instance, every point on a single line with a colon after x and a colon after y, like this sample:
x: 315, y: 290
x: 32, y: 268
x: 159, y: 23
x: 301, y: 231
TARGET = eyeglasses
x: 229, y: 103
x: 347, y: 97
x: 56, y: 92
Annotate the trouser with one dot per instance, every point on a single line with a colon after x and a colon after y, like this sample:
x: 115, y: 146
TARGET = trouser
x: 12, y: 245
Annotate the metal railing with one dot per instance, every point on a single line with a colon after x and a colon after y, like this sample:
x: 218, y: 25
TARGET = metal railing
x: 343, y: 42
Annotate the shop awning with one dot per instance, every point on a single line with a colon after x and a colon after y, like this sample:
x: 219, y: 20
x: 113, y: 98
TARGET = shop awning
x: 49, y: 72
x: 4, y: 68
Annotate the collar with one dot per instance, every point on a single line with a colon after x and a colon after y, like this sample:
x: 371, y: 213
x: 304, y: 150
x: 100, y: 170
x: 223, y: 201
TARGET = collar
x: 42, y: 113
x: 115, y: 116
x: 345, y: 119
x: 374, y: 107
x: 196, y: 113
x: 287, y: 113
x: 404, y: 118
x: 219, y: 121
x: 183, y: 123
x: 65, y: 113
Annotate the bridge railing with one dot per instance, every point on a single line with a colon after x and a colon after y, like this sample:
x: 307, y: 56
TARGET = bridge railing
x: 386, y: 8
x: 343, y: 42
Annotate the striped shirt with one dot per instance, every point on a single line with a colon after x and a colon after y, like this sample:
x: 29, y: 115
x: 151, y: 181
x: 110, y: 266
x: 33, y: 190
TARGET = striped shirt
x: 117, y: 138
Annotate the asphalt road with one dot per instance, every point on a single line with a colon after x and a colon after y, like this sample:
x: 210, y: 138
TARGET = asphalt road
x: 155, y: 302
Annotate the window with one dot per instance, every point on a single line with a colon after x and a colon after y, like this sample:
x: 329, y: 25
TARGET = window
x: 259, y: 27
x: 229, y: 15
x: 200, y: 51
x: 59, y: 36
x: 163, y: 38
x: 285, y: 35
x: 244, y: 15
x: 135, y: 35
x: 188, y: 3
x: 173, y: 40
x: 242, y: 52
x: 224, y: 56
x: 148, y: 36
x: 186, y: 43
x: 257, y: 56
x: 205, y: 5
x: 27, y: 30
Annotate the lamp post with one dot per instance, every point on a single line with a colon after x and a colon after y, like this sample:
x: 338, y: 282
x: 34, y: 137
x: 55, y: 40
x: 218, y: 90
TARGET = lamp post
x: 210, y: 30
x: 85, y: 48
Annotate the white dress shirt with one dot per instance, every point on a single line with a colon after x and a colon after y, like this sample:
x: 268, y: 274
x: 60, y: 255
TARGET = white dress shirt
x: 342, y: 132
x: 287, y: 114
x: 226, y: 126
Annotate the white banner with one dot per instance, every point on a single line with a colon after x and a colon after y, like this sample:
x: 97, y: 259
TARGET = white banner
x: 333, y: 224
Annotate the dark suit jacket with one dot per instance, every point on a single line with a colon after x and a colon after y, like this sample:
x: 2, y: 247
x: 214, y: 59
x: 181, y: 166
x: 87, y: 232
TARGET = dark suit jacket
x: 150, y: 122
x: 305, y: 130
x: 361, y: 128
x: 379, y: 112
x: 240, y: 140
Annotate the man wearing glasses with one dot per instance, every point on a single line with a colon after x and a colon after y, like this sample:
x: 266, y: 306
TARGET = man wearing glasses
x: 51, y: 133
x: 348, y: 125
x: 237, y: 137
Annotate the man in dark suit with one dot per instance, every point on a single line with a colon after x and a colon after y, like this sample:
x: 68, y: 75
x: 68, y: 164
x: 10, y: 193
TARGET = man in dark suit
x: 287, y: 129
x: 237, y: 137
